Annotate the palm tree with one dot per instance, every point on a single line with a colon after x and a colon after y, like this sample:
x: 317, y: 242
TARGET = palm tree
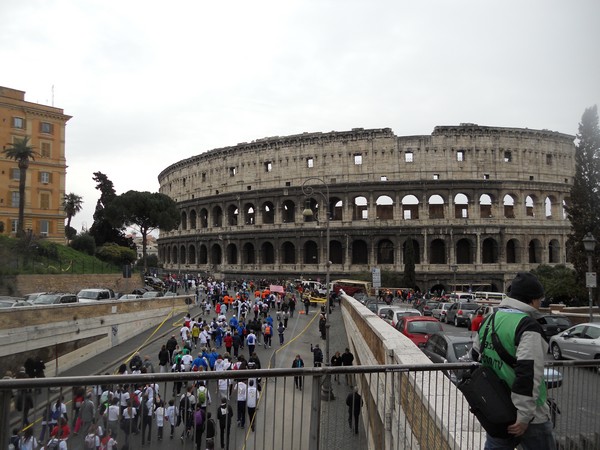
x: 22, y: 152
x: 72, y: 205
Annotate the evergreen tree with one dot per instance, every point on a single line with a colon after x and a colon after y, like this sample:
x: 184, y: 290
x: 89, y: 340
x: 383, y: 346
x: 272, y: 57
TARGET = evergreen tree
x: 102, y: 229
x: 583, y: 209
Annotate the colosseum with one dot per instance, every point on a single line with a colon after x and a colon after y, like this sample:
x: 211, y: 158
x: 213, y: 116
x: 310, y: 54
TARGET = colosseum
x: 478, y: 203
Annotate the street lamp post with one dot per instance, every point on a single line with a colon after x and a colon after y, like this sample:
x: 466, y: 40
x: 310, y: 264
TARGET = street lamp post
x: 454, y: 268
x: 589, y: 244
x: 308, y: 190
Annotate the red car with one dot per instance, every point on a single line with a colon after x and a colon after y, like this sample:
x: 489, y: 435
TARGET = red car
x: 418, y: 328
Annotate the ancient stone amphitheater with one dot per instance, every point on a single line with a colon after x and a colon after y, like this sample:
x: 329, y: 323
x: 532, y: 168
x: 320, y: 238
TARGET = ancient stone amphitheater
x: 478, y: 203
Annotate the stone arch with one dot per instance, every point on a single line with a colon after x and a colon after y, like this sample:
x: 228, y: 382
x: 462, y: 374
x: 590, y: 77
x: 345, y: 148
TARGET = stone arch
x: 311, y: 252
x: 535, y: 251
x: 267, y: 253
x: 485, y: 206
x: 461, y: 206
x: 248, y: 253
x: 232, y: 215
x: 551, y: 207
x: 268, y: 213
x: 192, y: 254
x: 360, y: 209
x: 182, y: 255
x: 437, y: 252
x: 174, y: 255
x: 385, y: 252
x: 203, y: 218
x: 217, y: 215
x: 336, y: 252
x: 360, y: 252
x: 216, y: 254
x: 530, y: 202
x: 288, y: 253
x: 489, y: 251
x: 553, y: 251
x: 337, y: 208
x: 410, y: 207
x: 509, y: 206
x: 193, y: 219
x: 203, y: 255
x: 513, y: 251
x: 384, y: 207
x: 249, y: 214
x: 288, y: 212
x: 183, y: 220
x: 464, y: 251
x: 436, y: 206
x: 232, y: 254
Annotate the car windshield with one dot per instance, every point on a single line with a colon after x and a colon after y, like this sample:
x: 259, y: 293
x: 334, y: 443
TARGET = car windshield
x: 559, y: 321
x: 461, y: 349
x: 423, y: 327
x: 88, y: 294
x: 46, y: 299
x: 6, y: 304
x: 469, y: 306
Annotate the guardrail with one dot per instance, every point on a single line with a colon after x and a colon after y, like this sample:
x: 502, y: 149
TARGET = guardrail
x: 403, y: 406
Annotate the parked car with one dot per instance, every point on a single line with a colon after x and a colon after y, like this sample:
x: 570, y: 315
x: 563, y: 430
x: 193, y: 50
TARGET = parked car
x: 374, y: 306
x: 444, y: 347
x: 578, y: 342
x: 428, y: 307
x: 440, y: 311
x: 152, y: 294
x: 34, y: 295
x: 394, y: 314
x: 458, y: 312
x: 418, y: 328
x: 58, y: 298
x: 129, y: 296
x: 13, y: 302
x: 155, y: 282
x: 553, y: 324
x: 93, y: 295
x: 487, y: 310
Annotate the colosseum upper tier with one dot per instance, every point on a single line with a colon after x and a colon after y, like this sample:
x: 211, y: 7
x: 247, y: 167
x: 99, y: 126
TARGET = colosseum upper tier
x: 478, y: 203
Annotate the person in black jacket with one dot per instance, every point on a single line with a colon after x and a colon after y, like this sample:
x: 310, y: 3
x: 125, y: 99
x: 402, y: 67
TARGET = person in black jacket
x: 171, y: 346
x: 224, y: 415
x: 163, y: 359
x: 354, y: 402
x: 296, y: 364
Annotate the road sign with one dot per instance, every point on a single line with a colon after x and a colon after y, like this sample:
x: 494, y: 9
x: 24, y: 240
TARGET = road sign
x: 590, y: 280
x: 376, y: 273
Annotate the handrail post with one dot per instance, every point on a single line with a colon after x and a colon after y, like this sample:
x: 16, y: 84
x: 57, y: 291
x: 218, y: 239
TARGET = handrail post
x: 5, y: 396
x: 315, y: 414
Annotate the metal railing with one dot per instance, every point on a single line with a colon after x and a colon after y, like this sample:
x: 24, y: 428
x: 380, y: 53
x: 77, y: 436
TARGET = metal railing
x: 401, y: 407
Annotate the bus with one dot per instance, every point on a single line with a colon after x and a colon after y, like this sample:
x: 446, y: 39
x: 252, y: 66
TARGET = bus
x: 351, y: 287
x: 490, y: 296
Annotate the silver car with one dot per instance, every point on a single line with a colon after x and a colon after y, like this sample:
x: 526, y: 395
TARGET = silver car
x: 578, y: 342
x: 440, y: 311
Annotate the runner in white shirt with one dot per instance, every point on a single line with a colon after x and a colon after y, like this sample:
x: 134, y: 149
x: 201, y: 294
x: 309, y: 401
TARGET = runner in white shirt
x: 251, y: 400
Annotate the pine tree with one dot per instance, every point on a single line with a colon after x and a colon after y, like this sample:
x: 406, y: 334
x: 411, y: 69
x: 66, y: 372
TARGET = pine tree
x: 410, y: 278
x: 583, y: 209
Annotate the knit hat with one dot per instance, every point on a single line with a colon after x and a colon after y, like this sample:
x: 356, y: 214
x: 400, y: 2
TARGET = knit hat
x: 525, y: 287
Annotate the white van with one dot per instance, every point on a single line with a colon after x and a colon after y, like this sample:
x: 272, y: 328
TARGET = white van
x: 462, y: 297
x: 492, y: 296
x: 94, y: 295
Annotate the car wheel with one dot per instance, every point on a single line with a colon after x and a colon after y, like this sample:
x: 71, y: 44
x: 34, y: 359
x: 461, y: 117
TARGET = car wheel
x: 455, y: 321
x: 556, y: 353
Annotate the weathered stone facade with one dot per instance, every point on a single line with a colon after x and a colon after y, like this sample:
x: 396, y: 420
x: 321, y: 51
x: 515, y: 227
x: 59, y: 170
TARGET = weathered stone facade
x: 485, y: 199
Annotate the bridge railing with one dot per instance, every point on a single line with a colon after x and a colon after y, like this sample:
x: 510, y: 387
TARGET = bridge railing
x: 402, y: 406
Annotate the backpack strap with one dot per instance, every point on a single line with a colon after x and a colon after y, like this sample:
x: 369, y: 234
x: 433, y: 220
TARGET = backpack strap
x: 502, y: 352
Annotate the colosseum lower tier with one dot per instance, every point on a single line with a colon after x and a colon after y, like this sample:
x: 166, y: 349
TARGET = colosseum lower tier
x: 478, y: 204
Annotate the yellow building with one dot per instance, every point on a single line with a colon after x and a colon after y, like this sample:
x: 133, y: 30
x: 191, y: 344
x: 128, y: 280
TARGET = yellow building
x: 45, y: 183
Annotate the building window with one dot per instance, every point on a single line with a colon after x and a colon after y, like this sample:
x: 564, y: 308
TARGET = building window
x: 44, y: 227
x: 183, y: 179
x: 46, y: 127
x: 203, y: 178
x: 549, y: 160
x: 13, y: 225
x: 15, y: 174
x: 268, y: 166
x: 310, y: 162
x: 14, y: 199
x: 408, y: 157
x: 460, y: 155
x: 436, y: 176
x: 45, y: 177
x: 44, y: 200
x: 357, y: 159
x: 383, y: 178
x: 232, y: 171
x: 18, y: 122
x: 486, y: 176
x: 507, y: 156
x: 45, y: 149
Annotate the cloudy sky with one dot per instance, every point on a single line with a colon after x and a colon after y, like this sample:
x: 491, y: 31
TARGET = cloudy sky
x: 151, y: 82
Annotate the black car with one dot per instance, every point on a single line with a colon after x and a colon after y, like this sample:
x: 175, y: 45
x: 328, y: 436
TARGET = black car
x: 553, y: 324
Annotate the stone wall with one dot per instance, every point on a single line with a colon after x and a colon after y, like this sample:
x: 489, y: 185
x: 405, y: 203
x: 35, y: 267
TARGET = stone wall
x: 20, y: 285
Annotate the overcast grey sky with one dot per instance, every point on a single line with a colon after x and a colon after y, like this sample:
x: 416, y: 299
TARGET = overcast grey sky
x: 151, y: 82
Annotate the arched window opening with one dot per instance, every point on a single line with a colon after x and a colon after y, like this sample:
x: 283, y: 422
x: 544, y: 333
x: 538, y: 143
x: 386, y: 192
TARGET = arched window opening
x: 232, y: 215
x: 410, y: 207
x: 360, y: 211
x: 436, y: 207
x: 385, y: 252
x: 289, y: 253
x: 461, y: 206
x: 268, y: 213
x: 360, y: 252
x: 288, y: 212
x: 232, y: 254
x: 385, y: 207
x: 311, y: 253
x: 485, y: 206
x: 464, y: 252
x: 437, y: 253
x: 489, y: 251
